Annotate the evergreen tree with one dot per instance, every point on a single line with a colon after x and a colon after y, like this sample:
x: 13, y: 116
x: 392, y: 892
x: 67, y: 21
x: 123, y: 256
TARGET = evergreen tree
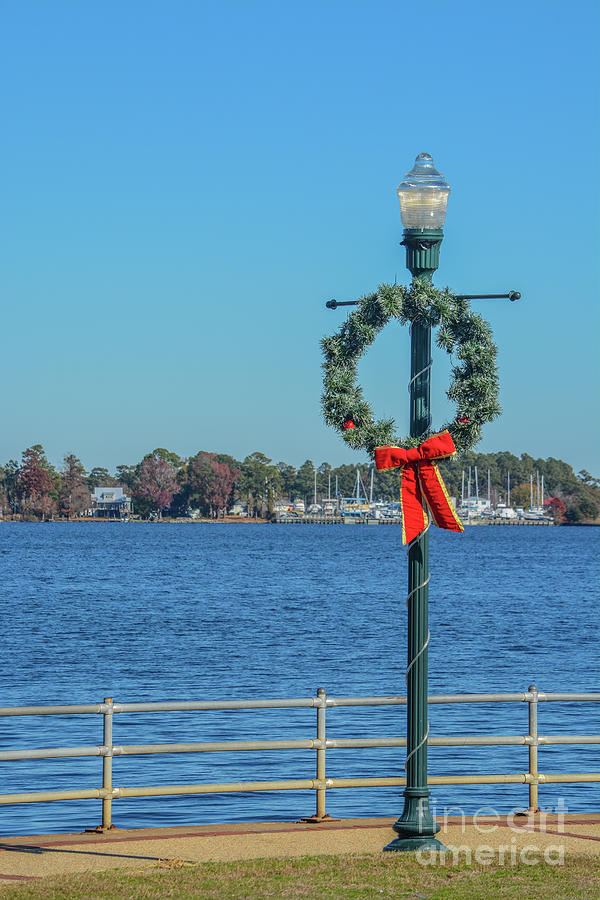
x: 35, y: 485
x: 74, y: 496
x: 304, y: 482
x: 100, y: 477
x: 260, y: 483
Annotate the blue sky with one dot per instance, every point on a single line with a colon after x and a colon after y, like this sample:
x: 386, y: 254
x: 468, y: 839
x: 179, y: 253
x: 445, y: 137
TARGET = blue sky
x: 184, y: 184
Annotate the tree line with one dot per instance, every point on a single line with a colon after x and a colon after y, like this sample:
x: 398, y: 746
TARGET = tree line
x: 163, y: 483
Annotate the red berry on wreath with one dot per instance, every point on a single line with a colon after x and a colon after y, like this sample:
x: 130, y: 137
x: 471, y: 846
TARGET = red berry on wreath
x: 464, y: 420
x: 349, y: 424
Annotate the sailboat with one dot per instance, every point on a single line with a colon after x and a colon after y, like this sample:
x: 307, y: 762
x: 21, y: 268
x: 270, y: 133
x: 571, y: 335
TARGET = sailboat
x: 357, y: 506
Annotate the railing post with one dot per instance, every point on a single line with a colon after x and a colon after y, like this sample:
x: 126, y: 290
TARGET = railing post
x: 320, y: 815
x: 107, y: 759
x: 321, y: 711
x: 533, y: 748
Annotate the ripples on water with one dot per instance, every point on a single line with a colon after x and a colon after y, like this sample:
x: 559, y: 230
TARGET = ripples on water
x: 209, y: 612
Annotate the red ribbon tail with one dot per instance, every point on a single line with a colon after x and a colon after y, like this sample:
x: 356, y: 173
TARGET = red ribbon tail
x: 435, y: 491
x: 414, y: 513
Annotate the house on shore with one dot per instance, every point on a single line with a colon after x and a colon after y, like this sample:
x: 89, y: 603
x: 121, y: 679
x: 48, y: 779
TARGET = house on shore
x: 110, y: 503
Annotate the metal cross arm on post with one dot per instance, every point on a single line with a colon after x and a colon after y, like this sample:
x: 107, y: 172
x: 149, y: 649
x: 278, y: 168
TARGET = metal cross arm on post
x: 333, y: 304
x: 512, y: 296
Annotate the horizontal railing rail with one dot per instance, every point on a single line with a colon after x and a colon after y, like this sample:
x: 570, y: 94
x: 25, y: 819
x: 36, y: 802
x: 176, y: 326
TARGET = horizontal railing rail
x: 321, y: 743
x: 477, y: 740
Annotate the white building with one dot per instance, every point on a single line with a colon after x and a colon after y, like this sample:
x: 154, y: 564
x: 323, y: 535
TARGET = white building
x: 110, y: 503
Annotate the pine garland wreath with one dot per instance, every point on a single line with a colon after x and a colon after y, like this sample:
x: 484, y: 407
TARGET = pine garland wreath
x: 464, y: 334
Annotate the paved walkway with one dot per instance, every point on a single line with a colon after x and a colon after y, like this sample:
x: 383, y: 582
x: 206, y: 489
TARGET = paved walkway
x: 25, y: 858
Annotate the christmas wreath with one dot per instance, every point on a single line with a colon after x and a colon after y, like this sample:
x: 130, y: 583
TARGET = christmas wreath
x: 462, y: 333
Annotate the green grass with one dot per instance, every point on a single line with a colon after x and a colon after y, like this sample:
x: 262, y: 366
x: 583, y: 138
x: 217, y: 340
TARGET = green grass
x: 350, y: 877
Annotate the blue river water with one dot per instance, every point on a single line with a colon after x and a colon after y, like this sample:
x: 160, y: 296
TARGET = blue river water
x: 150, y: 612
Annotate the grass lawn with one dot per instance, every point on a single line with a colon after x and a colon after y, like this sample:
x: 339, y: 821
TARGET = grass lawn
x: 396, y: 875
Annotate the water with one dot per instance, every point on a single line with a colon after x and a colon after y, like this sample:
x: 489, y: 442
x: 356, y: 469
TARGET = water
x: 208, y: 612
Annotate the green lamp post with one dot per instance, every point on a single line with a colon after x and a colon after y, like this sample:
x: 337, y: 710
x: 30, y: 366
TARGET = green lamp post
x: 423, y: 198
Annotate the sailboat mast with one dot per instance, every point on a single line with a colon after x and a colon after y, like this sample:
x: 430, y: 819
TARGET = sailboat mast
x: 462, y: 498
x: 371, y: 491
x: 531, y: 490
x: 476, y: 484
x: 508, y: 501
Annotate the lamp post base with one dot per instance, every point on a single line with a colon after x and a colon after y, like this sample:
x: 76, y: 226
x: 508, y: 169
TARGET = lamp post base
x: 416, y: 828
x: 403, y: 845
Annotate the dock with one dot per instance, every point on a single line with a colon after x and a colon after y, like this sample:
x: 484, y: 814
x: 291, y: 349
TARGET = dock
x: 333, y: 520
x: 502, y: 521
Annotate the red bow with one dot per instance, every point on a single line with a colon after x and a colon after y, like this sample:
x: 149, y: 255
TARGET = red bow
x: 421, y: 484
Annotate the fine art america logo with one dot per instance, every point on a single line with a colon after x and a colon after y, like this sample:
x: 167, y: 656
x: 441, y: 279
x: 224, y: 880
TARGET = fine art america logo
x: 508, y: 848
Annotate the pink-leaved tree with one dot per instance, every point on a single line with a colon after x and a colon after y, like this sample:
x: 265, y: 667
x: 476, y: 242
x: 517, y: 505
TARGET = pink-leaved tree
x: 156, y: 481
x: 210, y: 483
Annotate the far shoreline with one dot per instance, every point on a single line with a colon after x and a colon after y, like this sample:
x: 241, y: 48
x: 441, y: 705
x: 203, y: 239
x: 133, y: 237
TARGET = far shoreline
x: 227, y: 520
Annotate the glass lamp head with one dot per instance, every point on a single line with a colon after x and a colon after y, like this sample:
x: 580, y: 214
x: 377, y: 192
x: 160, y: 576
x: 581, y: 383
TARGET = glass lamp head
x: 423, y: 195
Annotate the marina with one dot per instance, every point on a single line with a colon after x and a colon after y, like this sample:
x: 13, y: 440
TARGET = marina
x: 362, y: 509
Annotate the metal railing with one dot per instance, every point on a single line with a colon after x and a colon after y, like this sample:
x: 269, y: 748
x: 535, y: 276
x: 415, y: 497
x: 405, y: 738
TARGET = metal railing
x: 320, y: 784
